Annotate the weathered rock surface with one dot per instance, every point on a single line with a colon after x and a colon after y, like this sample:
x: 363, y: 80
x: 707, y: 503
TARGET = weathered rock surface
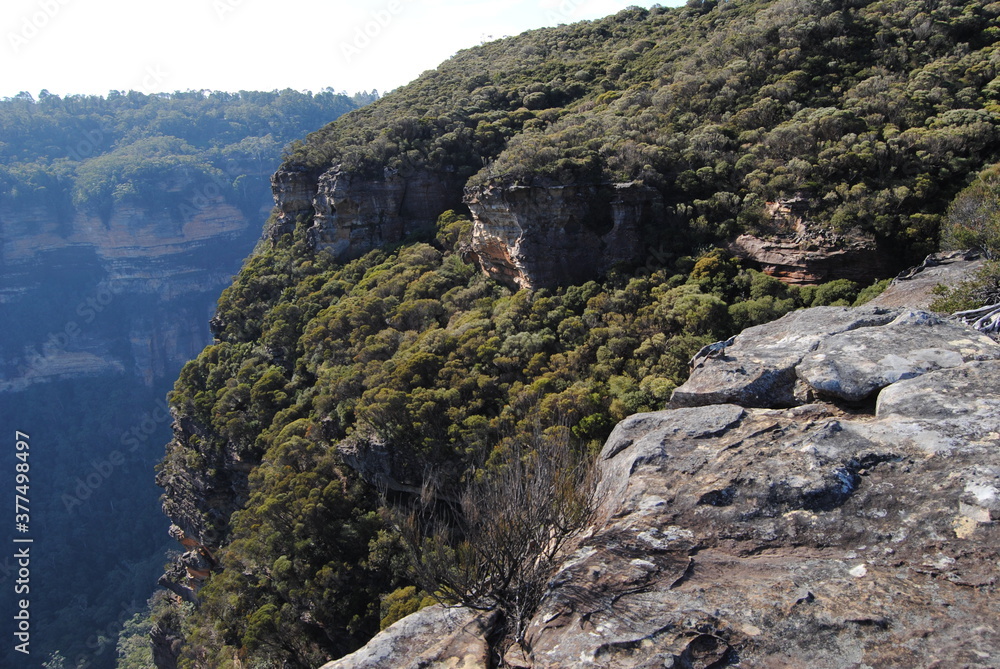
x: 797, y: 538
x: 771, y: 529
x: 200, y: 501
x: 524, y: 236
x: 355, y: 215
x: 799, y: 252
x: 538, y: 237
x: 801, y: 263
x: 436, y: 636
x: 757, y: 367
x: 831, y: 352
x: 914, y: 287
x: 855, y: 364
x: 352, y: 214
x: 293, y: 188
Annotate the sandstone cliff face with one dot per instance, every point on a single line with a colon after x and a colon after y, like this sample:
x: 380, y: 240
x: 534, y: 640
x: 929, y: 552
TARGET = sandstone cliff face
x: 128, y: 242
x: 137, y: 288
x: 542, y: 237
x: 798, y: 252
x: 293, y: 189
x: 827, y: 497
x: 523, y: 236
x: 352, y: 215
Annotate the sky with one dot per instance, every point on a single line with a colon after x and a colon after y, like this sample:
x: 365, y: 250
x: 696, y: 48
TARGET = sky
x: 94, y: 46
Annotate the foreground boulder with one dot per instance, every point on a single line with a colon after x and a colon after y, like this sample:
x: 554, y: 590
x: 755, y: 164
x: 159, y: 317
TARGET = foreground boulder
x: 785, y: 522
x: 436, y: 636
x: 832, y: 352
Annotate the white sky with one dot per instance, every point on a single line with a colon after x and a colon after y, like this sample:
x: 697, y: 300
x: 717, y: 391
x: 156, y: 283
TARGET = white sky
x: 94, y: 46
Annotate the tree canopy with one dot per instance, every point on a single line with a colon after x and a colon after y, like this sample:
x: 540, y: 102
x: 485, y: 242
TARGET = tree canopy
x: 874, y: 112
x: 91, y: 152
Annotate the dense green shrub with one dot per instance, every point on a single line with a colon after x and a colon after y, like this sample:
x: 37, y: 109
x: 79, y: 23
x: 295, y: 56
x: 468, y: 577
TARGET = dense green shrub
x: 974, y: 216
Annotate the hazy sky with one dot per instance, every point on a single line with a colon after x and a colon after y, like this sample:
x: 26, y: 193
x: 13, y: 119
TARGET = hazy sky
x: 94, y: 46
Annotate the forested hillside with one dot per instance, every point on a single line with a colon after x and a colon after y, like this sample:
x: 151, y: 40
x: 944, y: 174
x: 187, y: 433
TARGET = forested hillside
x: 337, y: 389
x: 874, y: 111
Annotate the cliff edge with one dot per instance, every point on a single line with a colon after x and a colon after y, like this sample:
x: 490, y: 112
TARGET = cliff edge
x: 823, y: 493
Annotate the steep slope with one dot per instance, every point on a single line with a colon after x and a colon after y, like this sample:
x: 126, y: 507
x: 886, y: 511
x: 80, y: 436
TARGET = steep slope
x: 378, y: 342
x: 757, y: 534
x: 122, y: 218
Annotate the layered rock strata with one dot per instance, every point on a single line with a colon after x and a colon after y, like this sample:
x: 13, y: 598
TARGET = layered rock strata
x: 801, y: 263
x: 293, y: 188
x: 355, y: 215
x: 778, y: 523
x: 134, y: 290
x: 793, y: 249
x: 543, y: 237
x: 351, y: 214
x: 524, y: 236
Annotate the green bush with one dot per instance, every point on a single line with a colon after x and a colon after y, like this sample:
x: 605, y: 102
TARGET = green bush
x: 973, y: 220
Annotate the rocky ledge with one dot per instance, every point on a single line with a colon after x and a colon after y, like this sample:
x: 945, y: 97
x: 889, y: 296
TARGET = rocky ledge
x: 796, y: 250
x: 523, y: 236
x: 807, y: 263
x: 824, y: 494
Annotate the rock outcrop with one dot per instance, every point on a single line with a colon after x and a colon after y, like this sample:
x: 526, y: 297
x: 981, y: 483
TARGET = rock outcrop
x: 293, y: 188
x: 199, y: 501
x: 797, y: 251
x: 355, y: 215
x: 836, y: 353
x: 780, y: 521
x: 352, y: 214
x: 524, y: 236
x: 436, y: 636
x: 542, y: 237
x: 914, y: 288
